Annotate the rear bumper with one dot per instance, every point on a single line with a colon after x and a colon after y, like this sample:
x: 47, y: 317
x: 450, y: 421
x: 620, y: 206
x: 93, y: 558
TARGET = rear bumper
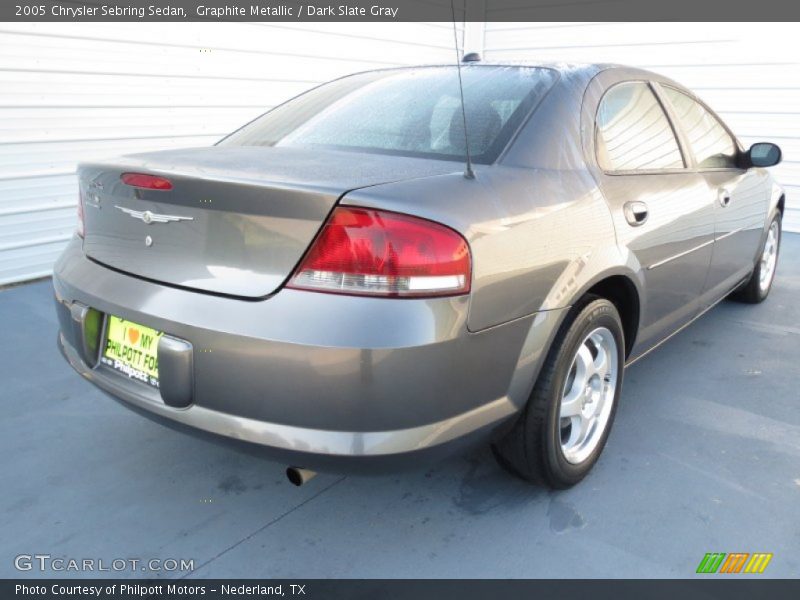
x: 314, y: 377
x: 311, y: 448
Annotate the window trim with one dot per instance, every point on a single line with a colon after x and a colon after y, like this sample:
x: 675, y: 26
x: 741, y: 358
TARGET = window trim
x: 675, y: 133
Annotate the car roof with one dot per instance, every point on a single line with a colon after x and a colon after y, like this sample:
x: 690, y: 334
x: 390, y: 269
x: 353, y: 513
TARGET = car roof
x: 554, y: 65
x: 573, y: 71
x: 584, y: 72
x: 557, y: 65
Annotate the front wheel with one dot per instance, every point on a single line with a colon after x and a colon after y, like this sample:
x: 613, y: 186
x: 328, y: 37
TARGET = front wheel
x: 566, y: 423
x: 757, y: 288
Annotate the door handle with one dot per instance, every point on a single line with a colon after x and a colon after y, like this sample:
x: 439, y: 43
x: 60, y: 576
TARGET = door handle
x: 724, y: 197
x: 635, y: 213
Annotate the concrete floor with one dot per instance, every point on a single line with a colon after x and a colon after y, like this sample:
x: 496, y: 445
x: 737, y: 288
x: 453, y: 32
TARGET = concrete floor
x: 704, y: 456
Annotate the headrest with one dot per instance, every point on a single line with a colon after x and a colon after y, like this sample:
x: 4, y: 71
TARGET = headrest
x: 483, y: 125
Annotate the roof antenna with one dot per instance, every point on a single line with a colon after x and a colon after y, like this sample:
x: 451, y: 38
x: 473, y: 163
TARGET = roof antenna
x: 468, y: 172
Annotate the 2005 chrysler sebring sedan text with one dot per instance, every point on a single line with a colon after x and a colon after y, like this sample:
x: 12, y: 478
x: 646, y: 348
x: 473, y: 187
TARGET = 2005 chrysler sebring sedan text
x: 331, y: 283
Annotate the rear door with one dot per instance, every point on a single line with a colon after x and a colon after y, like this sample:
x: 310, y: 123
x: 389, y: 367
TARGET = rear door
x: 740, y: 197
x: 661, y: 209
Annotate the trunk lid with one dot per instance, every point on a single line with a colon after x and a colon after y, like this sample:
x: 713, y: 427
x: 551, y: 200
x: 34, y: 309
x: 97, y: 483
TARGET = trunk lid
x: 241, y: 218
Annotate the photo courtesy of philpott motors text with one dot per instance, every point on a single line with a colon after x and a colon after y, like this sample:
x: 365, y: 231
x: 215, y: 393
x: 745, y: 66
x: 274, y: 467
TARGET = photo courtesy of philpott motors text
x: 158, y: 590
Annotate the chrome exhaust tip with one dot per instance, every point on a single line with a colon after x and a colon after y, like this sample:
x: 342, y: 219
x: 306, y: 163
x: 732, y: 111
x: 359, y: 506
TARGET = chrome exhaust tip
x: 298, y: 476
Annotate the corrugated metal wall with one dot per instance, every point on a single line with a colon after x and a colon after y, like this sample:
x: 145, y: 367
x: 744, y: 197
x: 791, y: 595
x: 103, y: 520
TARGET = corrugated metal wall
x: 70, y: 92
x: 748, y: 72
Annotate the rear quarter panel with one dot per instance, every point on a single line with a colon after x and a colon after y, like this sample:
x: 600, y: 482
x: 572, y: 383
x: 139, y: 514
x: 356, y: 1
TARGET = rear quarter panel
x: 536, y: 236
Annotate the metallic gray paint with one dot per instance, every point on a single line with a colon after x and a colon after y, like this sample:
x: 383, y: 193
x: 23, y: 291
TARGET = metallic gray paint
x: 301, y: 439
x: 339, y: 376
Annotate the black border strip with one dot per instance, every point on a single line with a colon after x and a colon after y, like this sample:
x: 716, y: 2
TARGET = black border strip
x: 702, y: 588
x: 398, y: 10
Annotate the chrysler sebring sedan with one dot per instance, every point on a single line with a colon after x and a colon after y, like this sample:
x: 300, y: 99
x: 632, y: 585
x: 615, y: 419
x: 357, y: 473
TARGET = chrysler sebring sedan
x: 354, y: 280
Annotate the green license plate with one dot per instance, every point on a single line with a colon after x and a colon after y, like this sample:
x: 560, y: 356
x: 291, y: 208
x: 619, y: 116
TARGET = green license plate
x: 132, y: 349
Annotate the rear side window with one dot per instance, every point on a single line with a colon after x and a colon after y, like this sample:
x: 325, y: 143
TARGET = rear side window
x: 633, y: 133
x: 411, y: 112
x: 712, y: 145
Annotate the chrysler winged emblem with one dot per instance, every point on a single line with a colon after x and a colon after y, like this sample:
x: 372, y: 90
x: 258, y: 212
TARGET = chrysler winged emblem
x: 150, y: 217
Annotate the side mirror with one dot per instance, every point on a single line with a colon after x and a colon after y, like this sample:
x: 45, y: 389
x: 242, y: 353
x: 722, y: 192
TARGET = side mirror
x: 764, y: 154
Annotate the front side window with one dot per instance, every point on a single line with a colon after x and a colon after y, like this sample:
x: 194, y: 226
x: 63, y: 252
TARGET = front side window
x: 712, y: 145
x: 633, y: 133
x: 410, y: 112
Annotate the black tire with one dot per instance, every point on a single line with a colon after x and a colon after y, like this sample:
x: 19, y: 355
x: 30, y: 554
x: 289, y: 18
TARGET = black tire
x: 532, y: 449
x: 751, y: 292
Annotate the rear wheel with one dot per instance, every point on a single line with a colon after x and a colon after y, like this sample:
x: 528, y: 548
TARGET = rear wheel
x: 566, y: 423
x: 757, y: 288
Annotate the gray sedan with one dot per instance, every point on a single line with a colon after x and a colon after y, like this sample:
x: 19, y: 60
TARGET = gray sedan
x: 354, y: 281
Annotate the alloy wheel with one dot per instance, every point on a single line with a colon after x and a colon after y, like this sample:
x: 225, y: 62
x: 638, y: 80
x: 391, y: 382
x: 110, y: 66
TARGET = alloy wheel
x: 588, y: 396
x: 769, y: 258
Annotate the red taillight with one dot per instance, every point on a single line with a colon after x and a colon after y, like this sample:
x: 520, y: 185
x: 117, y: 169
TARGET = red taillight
x: 150, y: 182
x: 376, y: 253
x: 81, y: 229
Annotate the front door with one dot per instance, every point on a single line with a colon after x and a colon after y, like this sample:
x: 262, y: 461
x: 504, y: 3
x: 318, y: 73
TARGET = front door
x: 740, y: 197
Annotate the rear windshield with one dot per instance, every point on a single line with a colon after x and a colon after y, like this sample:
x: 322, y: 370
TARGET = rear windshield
x: 409, y: 112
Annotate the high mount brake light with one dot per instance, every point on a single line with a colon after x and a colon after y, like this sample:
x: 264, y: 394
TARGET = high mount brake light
x: 149, y: 182
x: 368, y: 252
